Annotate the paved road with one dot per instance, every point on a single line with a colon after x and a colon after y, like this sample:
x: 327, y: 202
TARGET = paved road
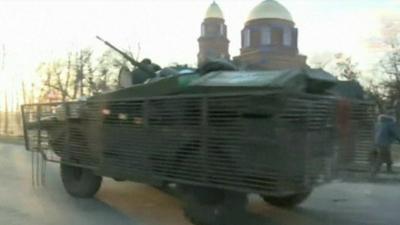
x: 129, y: 203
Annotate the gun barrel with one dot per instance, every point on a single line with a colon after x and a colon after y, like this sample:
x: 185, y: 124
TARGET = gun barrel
x: 126, y: 56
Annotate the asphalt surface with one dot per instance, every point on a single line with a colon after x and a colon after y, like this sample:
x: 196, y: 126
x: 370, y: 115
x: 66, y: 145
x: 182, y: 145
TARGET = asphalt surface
x: 116, y: 203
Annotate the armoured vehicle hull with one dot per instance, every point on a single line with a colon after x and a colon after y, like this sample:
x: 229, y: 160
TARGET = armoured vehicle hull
x: 272, y: 133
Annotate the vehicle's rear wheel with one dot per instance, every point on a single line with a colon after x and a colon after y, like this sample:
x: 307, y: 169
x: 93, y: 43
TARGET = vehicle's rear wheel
x: 213, y: 206
x: 204, y: 195
x: 287, y: 201
x: 80, y: 182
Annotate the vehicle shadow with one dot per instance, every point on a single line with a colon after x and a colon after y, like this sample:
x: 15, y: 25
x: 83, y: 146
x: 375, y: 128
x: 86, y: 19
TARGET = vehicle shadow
x: 225, y: 216
x: 338, y: 218
x: 22, y: 202
x: 260, y: 213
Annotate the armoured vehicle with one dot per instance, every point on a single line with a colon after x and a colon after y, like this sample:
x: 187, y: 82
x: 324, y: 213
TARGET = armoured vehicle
x: 210, y: 131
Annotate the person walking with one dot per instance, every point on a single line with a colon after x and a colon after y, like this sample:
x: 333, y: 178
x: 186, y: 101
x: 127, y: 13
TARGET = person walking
x: 385, y: 134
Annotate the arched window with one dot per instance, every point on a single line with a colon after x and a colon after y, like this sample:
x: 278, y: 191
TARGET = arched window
x: 287, y: 37
x: 203, y: 30
x: 246, y: 38
x: 221, y: 29
x: 265, y: 36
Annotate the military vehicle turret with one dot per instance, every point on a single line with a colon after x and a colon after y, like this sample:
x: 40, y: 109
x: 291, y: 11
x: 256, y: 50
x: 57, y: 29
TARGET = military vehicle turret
x: 207, y: 131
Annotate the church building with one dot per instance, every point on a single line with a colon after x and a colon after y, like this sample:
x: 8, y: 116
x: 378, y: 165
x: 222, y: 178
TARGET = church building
x: 269, y: 39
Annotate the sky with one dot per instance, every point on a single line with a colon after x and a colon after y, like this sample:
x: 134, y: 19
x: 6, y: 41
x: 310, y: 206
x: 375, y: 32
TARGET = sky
x: 167, y: 30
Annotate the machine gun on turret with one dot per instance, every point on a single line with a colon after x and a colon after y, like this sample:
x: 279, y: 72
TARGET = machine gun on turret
x: 135, y: 63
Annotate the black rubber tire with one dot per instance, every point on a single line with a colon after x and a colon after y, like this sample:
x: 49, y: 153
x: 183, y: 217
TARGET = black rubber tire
x: 80, y: 182
x: 225, y: 206
x: 287, y: 201
x: 204, y: 195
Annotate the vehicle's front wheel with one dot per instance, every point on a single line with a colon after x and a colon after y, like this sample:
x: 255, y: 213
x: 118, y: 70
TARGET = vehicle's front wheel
x: 287, y: 201
x: 80, y: 182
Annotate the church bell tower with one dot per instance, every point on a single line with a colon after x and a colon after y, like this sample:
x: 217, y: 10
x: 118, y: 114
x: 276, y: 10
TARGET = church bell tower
x: 213, y: 42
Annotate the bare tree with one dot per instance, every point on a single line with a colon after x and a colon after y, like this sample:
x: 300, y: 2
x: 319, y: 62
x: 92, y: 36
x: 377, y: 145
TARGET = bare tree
x: 346, y: 68
x: 321, y: 60
x: 387, y: 42
x: 376, y: 92
x: 80, y: 74
x: 78, y: 83
x: 107, y: 69
x: 63, y: 77
x: 336, y: 63
x: 390, y: 66
x: 55, y: 81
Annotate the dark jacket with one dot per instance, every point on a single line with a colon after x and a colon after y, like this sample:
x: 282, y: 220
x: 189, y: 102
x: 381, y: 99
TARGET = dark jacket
x: 386, y: 131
